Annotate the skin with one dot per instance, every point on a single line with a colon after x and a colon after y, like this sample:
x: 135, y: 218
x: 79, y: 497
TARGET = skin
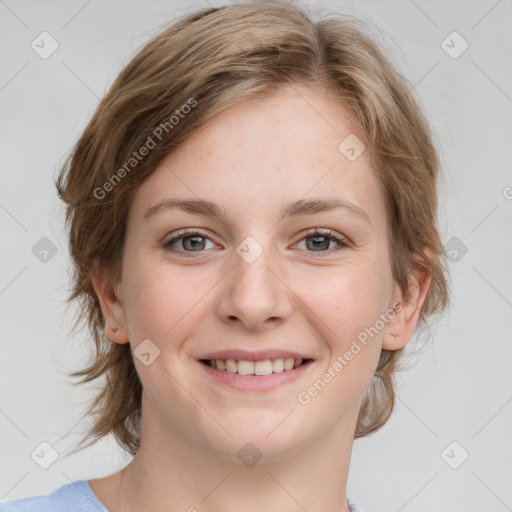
x: 252, y: 159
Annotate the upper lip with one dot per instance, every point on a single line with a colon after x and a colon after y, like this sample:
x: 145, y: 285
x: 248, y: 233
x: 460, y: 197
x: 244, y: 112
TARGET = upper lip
x: 246, y: 355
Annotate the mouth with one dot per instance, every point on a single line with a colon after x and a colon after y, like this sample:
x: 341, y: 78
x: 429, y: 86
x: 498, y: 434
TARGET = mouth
x: 256, y: 368
x: 254, y: 371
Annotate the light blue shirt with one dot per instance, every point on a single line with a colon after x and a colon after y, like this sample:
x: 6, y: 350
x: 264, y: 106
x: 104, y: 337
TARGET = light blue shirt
x: 74, y: 497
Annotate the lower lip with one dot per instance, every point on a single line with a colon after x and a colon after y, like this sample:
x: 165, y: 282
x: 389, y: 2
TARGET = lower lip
x: 256, y: 382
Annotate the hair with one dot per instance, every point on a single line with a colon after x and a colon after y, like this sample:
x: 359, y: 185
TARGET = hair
x: 209, y: 60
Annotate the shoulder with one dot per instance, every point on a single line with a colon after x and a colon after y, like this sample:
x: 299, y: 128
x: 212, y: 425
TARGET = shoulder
x: 76, y: 496
x: 353, y: 507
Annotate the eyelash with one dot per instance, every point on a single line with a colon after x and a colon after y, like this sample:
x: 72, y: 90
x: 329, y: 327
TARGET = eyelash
x: 343, y: 243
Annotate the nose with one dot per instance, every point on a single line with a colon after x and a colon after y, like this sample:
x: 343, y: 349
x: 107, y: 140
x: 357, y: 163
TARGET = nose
x: 255, y: 295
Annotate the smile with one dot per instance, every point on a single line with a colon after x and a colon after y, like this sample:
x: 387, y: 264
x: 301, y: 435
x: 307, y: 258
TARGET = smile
x: 244, y: 375
x: 244, y: 367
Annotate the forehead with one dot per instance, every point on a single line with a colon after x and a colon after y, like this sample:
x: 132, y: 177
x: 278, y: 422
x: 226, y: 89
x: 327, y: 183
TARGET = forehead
x: 262, y: 153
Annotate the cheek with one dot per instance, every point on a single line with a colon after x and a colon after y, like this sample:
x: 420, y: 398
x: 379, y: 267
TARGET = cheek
x: 346, y: 310
x: 345, y: 300
x: 160, y: 302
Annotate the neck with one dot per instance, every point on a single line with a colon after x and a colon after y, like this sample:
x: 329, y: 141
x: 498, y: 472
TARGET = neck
x: 174, y: 472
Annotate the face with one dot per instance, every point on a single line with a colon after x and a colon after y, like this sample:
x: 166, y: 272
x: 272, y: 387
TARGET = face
x: 256, y: 272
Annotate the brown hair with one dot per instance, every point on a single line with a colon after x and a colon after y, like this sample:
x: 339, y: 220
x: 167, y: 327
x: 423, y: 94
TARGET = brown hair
x: 210, y: 60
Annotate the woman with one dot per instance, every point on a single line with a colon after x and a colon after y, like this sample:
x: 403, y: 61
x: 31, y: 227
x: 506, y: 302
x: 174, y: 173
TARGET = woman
x: 252, y: 213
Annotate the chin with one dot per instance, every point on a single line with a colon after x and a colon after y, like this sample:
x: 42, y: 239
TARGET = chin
x: 260, y: 435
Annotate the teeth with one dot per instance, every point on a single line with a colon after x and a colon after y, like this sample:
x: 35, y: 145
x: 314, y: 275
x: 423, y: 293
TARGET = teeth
x: 262, y: 367
x: 266, y: 367
x: 245, y: 367
x: 278, y: 365
x: 231, y: 365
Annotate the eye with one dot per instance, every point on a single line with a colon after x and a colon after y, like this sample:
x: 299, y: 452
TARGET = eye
x: 190, y: 241
x: 319, y: 240
x: 316, y: 240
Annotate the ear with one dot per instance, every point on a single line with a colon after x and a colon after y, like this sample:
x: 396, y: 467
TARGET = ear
x: 111, y: 306
x: 407, y: 309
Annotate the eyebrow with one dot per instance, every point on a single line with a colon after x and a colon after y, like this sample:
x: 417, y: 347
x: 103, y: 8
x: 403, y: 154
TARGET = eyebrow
x: 293, y: 209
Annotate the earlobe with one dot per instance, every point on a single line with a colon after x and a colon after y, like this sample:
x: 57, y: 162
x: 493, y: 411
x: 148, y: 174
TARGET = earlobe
x: 111, y: 306
x: 402, y: 325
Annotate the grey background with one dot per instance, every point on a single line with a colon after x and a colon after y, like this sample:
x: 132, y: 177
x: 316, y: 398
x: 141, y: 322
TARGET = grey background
x: 460, y: 387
